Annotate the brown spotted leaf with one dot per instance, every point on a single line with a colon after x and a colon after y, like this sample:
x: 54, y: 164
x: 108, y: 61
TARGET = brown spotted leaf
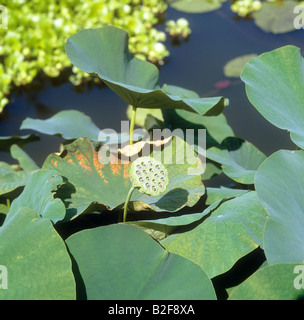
x: 91, y: 185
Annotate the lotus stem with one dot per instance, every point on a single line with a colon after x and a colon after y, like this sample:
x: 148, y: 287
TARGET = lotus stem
x: 133, y: 116
x: 8, y: 203
x: 127, y: 203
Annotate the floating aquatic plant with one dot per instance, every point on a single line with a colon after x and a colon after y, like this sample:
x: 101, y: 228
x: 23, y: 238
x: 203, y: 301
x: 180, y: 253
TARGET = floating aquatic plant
x: 36, y: 33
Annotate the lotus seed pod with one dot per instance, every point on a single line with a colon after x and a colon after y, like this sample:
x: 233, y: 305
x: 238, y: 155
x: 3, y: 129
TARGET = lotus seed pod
x: 149, y: 175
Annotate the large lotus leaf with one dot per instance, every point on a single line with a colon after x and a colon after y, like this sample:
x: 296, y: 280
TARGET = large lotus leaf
x: 70, y: 124
x: 73, y: 124
x: 275, y: 282
x: 239, y: 159
x: 232, y: 230
x: 196, y: 6
x: 105, y: 51
x: 106, y: 185
x: 88, y: 181
x: 120, y: 262
x: 7, y: 142
x: 37, y: 262
x: 276, y: 17
x: 275, y: 86
x: 279, y: 183
x: 38, y: 195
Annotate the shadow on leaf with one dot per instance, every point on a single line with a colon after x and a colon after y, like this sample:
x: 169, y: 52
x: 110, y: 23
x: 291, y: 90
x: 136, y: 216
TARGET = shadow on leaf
x: 173, y: 200
x: 231, y: 144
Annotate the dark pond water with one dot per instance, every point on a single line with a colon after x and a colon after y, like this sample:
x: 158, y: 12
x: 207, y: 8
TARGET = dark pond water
x: 196, y: 64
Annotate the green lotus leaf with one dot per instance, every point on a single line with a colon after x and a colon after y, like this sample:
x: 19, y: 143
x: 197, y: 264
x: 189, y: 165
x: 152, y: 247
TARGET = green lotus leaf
x: 38, y: 195
x: 73, y: 124
x: 70, y: 124
x: 279, y: 184
x: 275, y: 282
x: 93, y: 184
x: 276, y: 17
x: 239, y: 159
x: 120, y: 262
x: 196, y: 6
x: 233, y: 229
x: 275, y: 86
x: 37, y: 262
x: 105, y: 51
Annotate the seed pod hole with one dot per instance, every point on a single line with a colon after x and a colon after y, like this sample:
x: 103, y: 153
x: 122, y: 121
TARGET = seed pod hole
x: 147, y: 185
